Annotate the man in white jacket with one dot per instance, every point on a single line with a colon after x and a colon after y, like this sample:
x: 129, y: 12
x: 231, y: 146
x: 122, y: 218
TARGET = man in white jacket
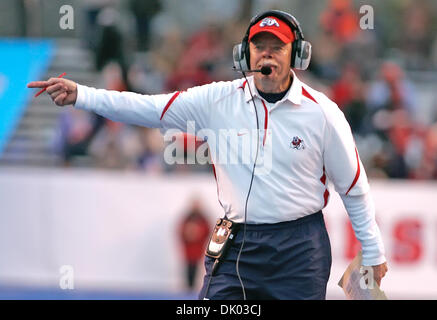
x: 302, y: 138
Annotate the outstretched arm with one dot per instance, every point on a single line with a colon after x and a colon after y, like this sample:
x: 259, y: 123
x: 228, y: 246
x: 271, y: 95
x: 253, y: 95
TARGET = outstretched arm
x: 126, y: 107
x: 172, y: 110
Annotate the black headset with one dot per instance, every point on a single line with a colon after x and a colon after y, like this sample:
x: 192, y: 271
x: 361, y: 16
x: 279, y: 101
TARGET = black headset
x: 301, y: 49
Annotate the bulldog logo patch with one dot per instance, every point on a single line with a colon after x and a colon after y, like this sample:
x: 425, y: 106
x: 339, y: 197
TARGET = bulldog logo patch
x: 297, y: 143
x: 269, y: 22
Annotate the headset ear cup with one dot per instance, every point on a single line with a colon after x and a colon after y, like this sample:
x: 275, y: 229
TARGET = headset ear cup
x: 302, y: 55
x: 239, y: 58
x: 236, y: 55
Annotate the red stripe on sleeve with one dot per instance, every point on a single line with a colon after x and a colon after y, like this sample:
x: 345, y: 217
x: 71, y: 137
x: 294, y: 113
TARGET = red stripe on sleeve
x: 169, y: 103
x: 243, y: 85
x: 216, y: 182
x: 325, y: 197
x: 357, y: 175
x: 326, y: 193
x: 323, y: 178
x: 213, y: 171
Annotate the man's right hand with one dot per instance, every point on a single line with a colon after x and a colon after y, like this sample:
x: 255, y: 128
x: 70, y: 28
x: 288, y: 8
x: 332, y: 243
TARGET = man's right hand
x: 62, y: 91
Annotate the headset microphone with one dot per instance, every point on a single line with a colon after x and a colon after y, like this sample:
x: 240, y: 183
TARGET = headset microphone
x: 265, y: 70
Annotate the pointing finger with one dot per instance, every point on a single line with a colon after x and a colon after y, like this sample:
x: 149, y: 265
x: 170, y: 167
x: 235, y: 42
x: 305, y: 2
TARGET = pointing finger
x: 43, y: 84
x: 38, y: 84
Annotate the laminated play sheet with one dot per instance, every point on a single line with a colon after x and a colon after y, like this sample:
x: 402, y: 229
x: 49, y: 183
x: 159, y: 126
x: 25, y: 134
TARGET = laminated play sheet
x: 354, y: 284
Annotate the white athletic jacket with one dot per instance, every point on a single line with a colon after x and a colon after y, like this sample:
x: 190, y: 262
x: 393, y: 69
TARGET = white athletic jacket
x: 304, y: 140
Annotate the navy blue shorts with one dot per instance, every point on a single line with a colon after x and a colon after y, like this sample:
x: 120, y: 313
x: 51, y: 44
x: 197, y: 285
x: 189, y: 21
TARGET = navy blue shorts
x: 288, y: 260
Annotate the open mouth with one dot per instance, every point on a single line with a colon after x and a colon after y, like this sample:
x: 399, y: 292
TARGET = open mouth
x: 267, y: 65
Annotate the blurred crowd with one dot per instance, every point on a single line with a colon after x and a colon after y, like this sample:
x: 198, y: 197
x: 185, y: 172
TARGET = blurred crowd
x: 380, y: 78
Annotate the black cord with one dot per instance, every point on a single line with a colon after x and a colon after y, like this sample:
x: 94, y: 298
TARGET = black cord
x: 210, y: 276
x: 237, y: 264
x: 248, y: 193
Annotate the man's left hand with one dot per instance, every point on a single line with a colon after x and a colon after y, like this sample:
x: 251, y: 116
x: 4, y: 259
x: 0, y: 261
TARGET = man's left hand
x: 379, y: 272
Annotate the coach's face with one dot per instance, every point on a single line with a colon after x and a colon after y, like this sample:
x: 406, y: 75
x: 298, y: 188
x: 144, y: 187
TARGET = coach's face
x: 268, y: 50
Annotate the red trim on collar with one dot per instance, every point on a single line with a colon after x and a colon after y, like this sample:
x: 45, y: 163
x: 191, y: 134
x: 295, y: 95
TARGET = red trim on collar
x: 306, y: 94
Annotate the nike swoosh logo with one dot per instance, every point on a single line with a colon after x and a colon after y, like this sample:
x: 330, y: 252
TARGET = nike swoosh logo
x: 242, y: 133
